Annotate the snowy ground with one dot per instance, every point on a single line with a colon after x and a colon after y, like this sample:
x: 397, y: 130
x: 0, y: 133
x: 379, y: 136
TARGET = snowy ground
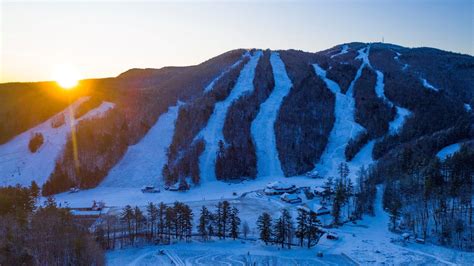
x: 263, y: 127
x: 366, y: 243
x: 20, y: 166
x: 212, y: 133
x: 143, y: 162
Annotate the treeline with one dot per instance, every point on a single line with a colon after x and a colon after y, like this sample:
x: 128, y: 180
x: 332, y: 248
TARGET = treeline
x: 42, y: 236
x: 432, y: 198
x: 161, y: 223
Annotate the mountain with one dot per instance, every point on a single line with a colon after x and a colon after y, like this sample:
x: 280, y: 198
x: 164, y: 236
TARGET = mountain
x: 244, y: 114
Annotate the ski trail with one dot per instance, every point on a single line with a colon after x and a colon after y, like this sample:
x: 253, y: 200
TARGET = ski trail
x: 428, y: 85
x: 213, y: 82
x: 212, y: 133
x: 343, y: 130
x: 20, y: 166
x: 344, y: 50
x: 263, y: 127
x: 397, y: 123
x: 142, y: 163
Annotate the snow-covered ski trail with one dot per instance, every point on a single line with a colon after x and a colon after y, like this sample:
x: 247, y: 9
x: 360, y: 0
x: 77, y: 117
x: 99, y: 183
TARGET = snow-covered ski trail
x: 343, y: 130
x: 344, y: 50
x: 19, y: 165
x: 142, y: 163
x: 428, y: 85
x: 210, y: 86
x: 263, y: 127
x: 212, y: 133
x: 397, y: 123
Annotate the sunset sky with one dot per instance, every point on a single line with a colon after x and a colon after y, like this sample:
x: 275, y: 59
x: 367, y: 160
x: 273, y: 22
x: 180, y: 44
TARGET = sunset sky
x: 103, y: 39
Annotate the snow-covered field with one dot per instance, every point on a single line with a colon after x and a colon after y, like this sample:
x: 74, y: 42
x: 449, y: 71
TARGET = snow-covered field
x: 19, y: 165
x: 263, y: 127
x: 366, y: 243
x: 143, y: 162
x: 212, y: 133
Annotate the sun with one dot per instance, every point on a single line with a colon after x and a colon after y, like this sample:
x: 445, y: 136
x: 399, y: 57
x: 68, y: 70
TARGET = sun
x: 66, y: 76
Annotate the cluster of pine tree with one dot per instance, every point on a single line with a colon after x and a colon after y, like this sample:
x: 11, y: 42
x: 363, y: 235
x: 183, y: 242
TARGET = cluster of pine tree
x: 224, y: 222
x: 432, y: 198
x: 42, y: 236
x: 282, y: 231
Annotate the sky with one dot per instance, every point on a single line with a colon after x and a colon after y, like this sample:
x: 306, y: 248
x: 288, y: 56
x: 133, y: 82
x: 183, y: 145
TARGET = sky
x: 105, y: 38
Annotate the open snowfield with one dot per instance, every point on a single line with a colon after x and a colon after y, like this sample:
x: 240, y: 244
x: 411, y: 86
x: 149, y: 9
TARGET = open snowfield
x: 263, y: 127
x: 212, y: 133
x: 142, y: 164
x: 20, y: 166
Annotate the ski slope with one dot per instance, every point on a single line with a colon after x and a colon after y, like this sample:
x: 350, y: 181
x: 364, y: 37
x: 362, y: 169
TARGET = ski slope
x: 212, y: 133
x: 344, y: 50
x: 344, y: 127
x: 263, y: 126
x: 210, y: 86
x: 397, y: 123
x: 143, y: 162
x: 19, y: 166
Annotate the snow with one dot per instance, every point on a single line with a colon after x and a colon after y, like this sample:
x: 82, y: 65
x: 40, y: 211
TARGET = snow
x: 366, y: 242
x: 467, y: 107
x: 263, y: 127
x: 143, y: 162
x: 343, y: 130
x: 213, y: 132
x: 402, y: 113
x: 19, y: 166
x: 213, y: 82
x: 344, y: 50
x: 449, y: 150
x: 427, y: 85
x: 396, y: 125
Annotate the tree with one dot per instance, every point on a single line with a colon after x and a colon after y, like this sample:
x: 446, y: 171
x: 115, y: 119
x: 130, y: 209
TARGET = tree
x: 127, y: 217
x: 283, y: 229
x: 152, y: 212
x: 204, y: 222
x: 313, y: 231
x: 302, y: 225
x: 343, y: 170
x: 264, y: 224
x: 234, y: 223
x: 138, y: 218
x: 35, y: 190
x: 161, y: 219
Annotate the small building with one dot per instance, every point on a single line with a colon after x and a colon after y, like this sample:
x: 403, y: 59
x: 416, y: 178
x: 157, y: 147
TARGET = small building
x: 150, y: 189
x: 313, y: 174
x: 73, y: 190
x: 321, y: 210
x: 290, y: 198
x: 319, y: 191
x: 279, y: 188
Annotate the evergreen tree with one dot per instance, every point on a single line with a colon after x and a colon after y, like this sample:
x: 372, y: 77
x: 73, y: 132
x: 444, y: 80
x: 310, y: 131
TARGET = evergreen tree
x: 204, y: 221
x: 264, y: 224
x: 234, y: 223
x: 302, y: 225
x: 127, y: 217
x: 138, y: 218
x: 313, y: 231
x: 152, y: 213
x: 161, y: 219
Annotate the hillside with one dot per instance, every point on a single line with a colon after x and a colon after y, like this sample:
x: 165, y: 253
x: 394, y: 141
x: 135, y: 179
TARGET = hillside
x: 243, y: 119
